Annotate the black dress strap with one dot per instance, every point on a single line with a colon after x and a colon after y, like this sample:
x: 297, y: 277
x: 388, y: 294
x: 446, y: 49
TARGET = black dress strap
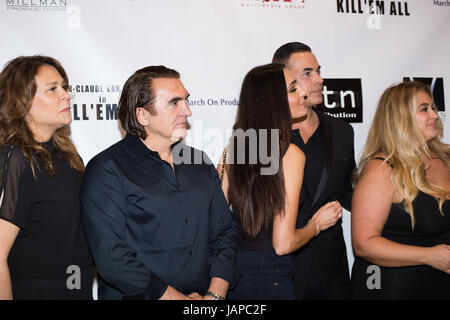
x: 384, y: 159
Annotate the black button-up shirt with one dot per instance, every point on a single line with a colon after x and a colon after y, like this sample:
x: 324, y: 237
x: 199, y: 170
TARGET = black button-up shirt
x: 314, y: 150
x: 150, y: 225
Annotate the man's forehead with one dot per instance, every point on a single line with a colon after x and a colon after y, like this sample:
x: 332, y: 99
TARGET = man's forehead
x: 299, y: 61
x: 168, y: 87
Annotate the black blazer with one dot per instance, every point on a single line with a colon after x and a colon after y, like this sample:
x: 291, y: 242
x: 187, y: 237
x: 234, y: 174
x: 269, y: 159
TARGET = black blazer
x: 328, y: 248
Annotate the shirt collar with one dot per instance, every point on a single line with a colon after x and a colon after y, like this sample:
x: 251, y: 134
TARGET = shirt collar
x: 137, y: 147
x: 140, y: 150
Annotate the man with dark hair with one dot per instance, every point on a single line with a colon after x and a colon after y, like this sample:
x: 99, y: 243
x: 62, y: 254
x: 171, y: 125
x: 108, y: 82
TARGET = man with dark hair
x: 321, y: 267
x: 158, y: 228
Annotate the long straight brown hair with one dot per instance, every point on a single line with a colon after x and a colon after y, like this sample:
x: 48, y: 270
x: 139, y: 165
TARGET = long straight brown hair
x: 17, y: 91
x: 263, y: 104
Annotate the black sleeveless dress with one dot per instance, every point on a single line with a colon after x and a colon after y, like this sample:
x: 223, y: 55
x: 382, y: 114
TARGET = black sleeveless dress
x: 414, y: 282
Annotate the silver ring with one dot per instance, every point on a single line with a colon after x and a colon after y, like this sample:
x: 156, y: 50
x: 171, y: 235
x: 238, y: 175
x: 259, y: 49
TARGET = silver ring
x: 340, y: 215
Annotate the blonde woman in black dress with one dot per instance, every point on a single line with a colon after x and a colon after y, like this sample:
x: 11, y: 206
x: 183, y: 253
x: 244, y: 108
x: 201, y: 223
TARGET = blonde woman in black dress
x: 401, y: 207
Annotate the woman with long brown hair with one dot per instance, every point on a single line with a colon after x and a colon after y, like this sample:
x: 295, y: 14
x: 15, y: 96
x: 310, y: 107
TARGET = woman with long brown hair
x: 262, y: 177
x: 43, y: 253
x: 401, y: 208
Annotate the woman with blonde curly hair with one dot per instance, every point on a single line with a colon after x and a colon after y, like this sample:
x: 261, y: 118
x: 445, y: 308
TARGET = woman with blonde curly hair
x: 400, y: 208
x: 43, y: 253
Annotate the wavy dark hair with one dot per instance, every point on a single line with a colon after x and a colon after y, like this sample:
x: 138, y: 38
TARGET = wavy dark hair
x: 263, y: 104
x: 17, y: 91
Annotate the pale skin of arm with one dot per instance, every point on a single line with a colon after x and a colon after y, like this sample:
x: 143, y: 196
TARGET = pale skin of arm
x: 286, y: 237
x: 8, y: 234
x: 372, y: 200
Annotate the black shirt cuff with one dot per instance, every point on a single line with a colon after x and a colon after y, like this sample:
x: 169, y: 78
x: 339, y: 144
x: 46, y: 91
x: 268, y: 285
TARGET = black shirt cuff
x: 226, y: 271
x: 154, y: 291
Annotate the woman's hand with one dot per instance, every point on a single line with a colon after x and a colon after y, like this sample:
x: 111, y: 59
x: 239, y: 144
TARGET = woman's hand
x: 438, y: 257
x: 327, y: 215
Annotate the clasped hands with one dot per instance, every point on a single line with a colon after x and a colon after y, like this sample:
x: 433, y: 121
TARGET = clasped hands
x: 196, y: 296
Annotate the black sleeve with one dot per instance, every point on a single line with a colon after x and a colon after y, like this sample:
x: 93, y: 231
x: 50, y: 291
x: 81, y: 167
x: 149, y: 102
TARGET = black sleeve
x: 104, y: 218
x: 16, y: 186
x: 346, y: 198
x: 222, y: 235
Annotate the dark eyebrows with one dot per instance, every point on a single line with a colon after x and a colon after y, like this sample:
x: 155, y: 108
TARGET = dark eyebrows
x: 292, y: 84
x: 312, y: 69
x: 176, y: 99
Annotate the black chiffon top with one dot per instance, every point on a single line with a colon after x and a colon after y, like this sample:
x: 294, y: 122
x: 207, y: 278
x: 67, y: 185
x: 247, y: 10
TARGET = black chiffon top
x: 47, y: 211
